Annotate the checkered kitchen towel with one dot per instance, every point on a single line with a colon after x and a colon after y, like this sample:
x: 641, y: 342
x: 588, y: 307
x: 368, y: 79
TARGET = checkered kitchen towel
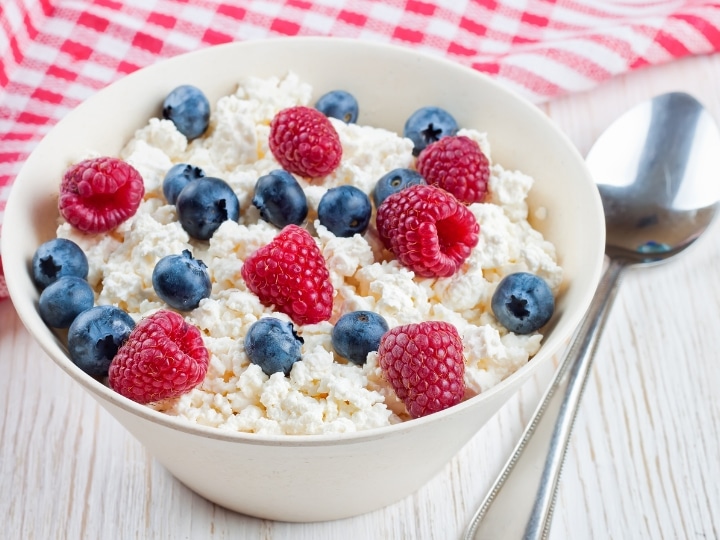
x: 56, y: 53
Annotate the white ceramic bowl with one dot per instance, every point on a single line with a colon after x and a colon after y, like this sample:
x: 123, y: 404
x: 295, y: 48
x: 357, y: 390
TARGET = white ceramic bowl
x: 317, y: 477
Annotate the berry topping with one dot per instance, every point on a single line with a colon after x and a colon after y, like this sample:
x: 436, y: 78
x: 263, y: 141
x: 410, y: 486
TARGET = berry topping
x: 95, y: 336
x: 291, y: 274
x: 280, y: 199
x: 427, y: 125
x: 424, y: 364
x: 523, y: 302
x: 177, y: 177
x: 56, y: 258
x: 164, y: 357
x: 205, y: 204
x: 273, y: 345
x: 188, y: 108
x: 63, y: 300
x: 181, y: 281
x: 358, y: 333
x: 429, y: 231
x: 457, y: 165
x: 394, y: 181
x: 345, y: 211
x: 97, y: 195
x: 338, y: 104
x: 304, y: 142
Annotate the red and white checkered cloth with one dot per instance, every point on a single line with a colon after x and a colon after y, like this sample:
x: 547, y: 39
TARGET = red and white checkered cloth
x: 56, y: 53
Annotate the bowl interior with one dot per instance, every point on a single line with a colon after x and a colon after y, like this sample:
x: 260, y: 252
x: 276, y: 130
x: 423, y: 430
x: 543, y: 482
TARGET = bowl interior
x: 390, y: 83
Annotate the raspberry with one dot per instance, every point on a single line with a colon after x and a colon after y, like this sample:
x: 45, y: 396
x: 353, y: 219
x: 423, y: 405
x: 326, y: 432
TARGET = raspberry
x: 163, y: 357
x: 457, y: 165
x: 290, y: 273
x: 304, y: 142
x: 98, y: 194
x: 429, y: 231
x: 424, y: 364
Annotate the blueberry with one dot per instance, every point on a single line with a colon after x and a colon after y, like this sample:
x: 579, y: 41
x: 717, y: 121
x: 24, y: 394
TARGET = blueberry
x: 181, y: 281
x: 204, y: 204
x: 345, y: 211
x: 177, y: 178
x: 394, y: 181
x: 523, y: 302
x: 358, y: 333
x: 427, y: 125
x: 273, y: 345
x: 56, y: 258
x: 338, y: 104
x: 188, y: 108
x: 280, y: 199
x: 63, y: 300
x: 95, y: 336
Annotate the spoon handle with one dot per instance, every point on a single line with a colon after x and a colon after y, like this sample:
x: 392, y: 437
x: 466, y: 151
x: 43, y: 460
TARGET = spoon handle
x: 538, y: 458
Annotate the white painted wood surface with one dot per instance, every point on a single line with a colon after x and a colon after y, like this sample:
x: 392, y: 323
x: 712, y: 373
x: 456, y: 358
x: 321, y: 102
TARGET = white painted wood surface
x: 644, y: 460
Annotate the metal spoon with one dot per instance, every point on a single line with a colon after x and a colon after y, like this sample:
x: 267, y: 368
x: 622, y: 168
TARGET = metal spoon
x: 656, y: 168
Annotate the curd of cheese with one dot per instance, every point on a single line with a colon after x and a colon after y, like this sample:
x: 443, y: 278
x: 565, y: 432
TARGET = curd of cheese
x: 323, y: 393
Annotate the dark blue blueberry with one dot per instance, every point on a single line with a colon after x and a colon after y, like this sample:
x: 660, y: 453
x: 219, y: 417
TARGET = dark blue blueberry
x: 95, y: 336
x: 273, y: 345
x: 204, y: 204
x: 394, y: 181
x: 280, y: 199
x: 177, y: 178
x: 338, y: 104
x: 188, y: 108
x: 181, y: 281
x: 358, y: 333
x: 523, y: 302
x: 345, y: 211
x: 56, y: 258
x: 63, y: 300
x: 428, y: 125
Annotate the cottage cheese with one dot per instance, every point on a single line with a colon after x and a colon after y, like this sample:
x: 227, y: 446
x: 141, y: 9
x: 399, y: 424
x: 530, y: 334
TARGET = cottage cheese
x: 322, y: 394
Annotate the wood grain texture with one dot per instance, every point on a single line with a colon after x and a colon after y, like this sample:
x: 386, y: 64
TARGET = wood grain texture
x: 644, y: 460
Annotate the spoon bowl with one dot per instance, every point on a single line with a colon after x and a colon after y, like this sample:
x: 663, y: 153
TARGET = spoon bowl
x: 653, y: 171
x: 655, y: 168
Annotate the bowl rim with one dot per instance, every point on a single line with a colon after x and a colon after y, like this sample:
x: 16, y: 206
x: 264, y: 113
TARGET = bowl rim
x: 107, y: 395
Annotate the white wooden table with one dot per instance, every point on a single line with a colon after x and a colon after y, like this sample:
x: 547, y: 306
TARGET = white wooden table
x: 644, y: 460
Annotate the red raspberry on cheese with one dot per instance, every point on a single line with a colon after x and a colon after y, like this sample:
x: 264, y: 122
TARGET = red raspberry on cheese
x: 457, y: 165
x: 163, y: 357
x: 304, y: 142
x: 290, y: 274
x: 97, y: 195
x: 429, y: 231
x: 424, y: 363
